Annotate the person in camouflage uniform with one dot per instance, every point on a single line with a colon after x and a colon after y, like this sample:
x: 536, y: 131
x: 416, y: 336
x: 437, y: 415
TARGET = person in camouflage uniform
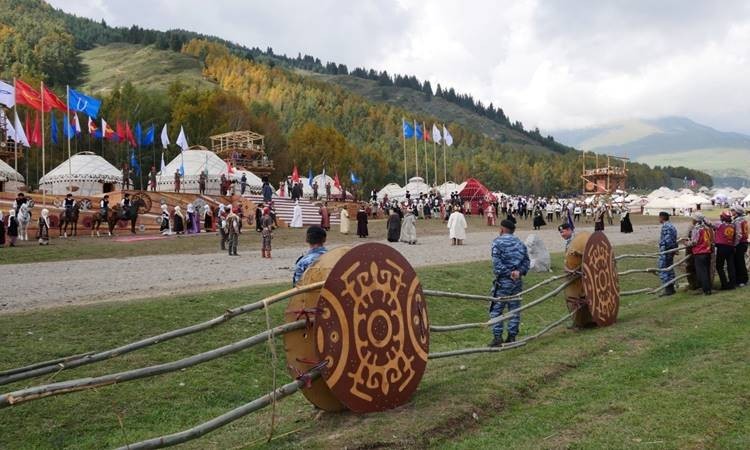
x: 510, y: 261
x: 667, y: 241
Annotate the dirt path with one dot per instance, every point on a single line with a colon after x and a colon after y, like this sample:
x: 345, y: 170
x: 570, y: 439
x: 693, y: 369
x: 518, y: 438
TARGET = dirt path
x: 50, y: 284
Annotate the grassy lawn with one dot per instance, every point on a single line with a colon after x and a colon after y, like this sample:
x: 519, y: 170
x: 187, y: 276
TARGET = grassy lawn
x: 672, y: 373
x: 86, y: 247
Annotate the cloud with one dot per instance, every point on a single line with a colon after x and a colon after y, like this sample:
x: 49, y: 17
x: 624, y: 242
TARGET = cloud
x: 552, y: 64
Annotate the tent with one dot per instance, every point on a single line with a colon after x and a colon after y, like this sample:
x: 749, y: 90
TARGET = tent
x: 392, y: 190
x: 195, y: 160
x: 475, y: 193
x: 10, y: 180
x: 85, y: 173
x: 449, y: 187
x: 254, y: 183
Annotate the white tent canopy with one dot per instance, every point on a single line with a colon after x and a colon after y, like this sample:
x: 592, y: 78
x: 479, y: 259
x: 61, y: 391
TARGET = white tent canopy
x: 195, y: 160
x: 85, y: 173
x: 391, y: 190
x: 448, y: 187
x: 10, y: 180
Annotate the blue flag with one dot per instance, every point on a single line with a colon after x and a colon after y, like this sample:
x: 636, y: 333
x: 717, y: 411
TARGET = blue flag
x: 309, y: 177
x: 354, y: 179
x: 84, y: 103
x: 53, y: 127
x: 419, y: 132
x: 182, y: 166
x: 134, y: 163
x: 148, y: 139
x: 69, y: 131
x: 137, y: 133
x: 408, y: 130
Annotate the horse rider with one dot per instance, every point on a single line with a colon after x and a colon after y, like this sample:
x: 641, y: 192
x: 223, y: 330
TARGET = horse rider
x: 20, y: 200
x: 68, y: 205
x: 104, y: 207
x: 125, y: 204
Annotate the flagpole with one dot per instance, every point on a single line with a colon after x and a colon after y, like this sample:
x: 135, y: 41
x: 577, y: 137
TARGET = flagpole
x: 403, y: 138
x: 424, y: 139
x: 44, y: 191
x: 434, y: 155
x: 445, y: 166
x: 416, y: 152
x: 67, y: 126
x: 15, y: 141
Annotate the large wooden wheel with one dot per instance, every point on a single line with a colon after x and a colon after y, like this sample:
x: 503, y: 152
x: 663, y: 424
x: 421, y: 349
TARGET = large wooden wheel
x: 369, y: 330
x: 600, y: 281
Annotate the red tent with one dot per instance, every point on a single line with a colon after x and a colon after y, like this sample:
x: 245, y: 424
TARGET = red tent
x: 476, y: 193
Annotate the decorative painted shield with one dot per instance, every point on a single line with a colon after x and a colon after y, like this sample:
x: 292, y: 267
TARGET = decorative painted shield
x: 372, y: 329
x: 600, y: 282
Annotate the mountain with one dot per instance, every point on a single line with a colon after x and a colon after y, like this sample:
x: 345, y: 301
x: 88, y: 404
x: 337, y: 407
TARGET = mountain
x: 674, y: 141
x: 313, y: 114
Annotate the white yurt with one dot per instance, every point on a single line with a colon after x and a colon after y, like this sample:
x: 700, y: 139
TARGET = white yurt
x: 657, y: 205
x: 195, y: 160
x: 391, y: 190
x: 448, y: 187
x: 10, y: 179
x: 307, y: 190
x: 254, y: 183
x: 85, y: 173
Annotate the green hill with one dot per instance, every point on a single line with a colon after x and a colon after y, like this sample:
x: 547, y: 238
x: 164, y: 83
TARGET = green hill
x: 143, y: 66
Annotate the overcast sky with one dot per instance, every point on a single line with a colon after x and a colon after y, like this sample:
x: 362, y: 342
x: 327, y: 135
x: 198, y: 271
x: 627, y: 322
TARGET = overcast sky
x: 552, y: 64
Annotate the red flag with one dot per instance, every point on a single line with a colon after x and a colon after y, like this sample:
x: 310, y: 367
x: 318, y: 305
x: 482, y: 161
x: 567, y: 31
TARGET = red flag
x: 336, y: 182
x: 230, y: 169
x: 36, y: 135
x: 119, y: 132
x: 26, y: 95
x: 426, y: 134
x: 295, y: 174
x: 129, y: 135
x: 52, y: 101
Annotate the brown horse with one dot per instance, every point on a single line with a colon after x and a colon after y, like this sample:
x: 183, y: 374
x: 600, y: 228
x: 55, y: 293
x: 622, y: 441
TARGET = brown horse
x: 117, y: 213
x: 71, y: 219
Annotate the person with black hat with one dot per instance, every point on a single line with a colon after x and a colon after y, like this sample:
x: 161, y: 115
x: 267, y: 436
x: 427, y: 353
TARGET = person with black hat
x: 510, y: 262
x: 316, y: 239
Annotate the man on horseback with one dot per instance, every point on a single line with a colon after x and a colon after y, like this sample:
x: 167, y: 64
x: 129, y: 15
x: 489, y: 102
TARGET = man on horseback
x: 104, y: 207
x: 20, y: 200
x: 125, y: 206
x: 68, y: 205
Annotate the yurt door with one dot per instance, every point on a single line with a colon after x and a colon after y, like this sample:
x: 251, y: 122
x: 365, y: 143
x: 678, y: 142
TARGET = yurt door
x: 107, y: 188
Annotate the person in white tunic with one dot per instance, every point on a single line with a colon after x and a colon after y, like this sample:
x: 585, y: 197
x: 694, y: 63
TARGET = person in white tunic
x: 457, y: 227
x: 344, y: 221
x: 409, y: 228
x: 296, y: 216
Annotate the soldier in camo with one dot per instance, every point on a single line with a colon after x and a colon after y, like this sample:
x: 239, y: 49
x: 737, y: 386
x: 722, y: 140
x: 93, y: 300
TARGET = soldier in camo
x: 667, y: 241
x: 510, y: 261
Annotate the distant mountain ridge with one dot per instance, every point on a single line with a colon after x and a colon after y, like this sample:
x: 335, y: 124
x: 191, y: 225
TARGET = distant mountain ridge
x: 669, y: 141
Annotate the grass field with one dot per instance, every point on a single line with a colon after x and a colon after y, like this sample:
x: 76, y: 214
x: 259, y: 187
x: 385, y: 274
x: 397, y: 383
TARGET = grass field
x: 672, y: 373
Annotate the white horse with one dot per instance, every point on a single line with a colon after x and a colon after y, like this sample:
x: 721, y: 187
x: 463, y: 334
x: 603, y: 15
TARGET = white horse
x: 24, y: 217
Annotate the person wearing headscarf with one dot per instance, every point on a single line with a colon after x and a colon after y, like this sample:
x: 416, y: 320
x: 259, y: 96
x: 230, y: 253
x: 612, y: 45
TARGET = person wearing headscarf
x: 362, y: 222
x: 267, y: 233
x: 741, y: 239
x: 179, y: 220
x: 165, y: 227
x: 409, y: 228
x: 296, y: 216
x: 190, y: 219
x: 701, y: 246
x: 457, y: 227
x: 207, y: 222
x: 539, y: 218
x: 344, y: 220
x: 43, y: 230
x: 393, y: 225
x: 12, y: 227
x: 625, y: 225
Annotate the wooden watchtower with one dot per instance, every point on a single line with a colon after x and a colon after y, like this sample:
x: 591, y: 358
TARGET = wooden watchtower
x: 245, y: 149
x: 604, y: 179
x: 7, y: 146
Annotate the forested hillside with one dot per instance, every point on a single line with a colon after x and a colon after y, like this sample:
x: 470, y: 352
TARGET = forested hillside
x: 313, y: 114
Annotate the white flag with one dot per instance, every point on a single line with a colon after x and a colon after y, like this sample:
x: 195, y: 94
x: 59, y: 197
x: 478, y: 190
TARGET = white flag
x: 163, y: 166
x: 7, y: 94
x: 447, y: 137
x: 164, y: 137
x: 7, y: 126
x: 20, y: 133
x: 436, y: 134
x: 104, y: 129
x: 182, y: 140
x: 76, y: 123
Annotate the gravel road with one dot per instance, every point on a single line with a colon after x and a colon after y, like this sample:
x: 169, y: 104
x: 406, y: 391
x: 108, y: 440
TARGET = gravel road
x: 34, y: 286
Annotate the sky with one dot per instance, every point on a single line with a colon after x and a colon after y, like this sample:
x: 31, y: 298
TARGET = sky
x: 552, y: 64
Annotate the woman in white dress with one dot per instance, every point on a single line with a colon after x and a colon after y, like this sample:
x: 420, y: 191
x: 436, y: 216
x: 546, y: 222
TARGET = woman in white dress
x: 344, y: 220
x: 296, y: 216
x: 457, y: 227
